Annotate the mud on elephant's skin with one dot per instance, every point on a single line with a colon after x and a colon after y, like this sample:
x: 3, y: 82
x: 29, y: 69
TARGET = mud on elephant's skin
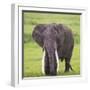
x: 57, y: 42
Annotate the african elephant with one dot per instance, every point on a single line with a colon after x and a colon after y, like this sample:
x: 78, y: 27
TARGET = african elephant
x: 57, y: 42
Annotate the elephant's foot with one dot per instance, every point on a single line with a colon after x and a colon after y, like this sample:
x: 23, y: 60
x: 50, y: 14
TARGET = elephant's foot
x: 47, y: 71
x: 67, y: 67
x: 53, y: 74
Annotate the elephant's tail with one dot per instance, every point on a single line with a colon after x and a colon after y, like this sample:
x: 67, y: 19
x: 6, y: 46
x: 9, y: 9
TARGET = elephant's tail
x: 71, y: 67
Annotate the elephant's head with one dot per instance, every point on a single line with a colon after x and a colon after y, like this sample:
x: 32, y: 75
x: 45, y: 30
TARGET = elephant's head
x: 50, y: 47
x: 46, y: 37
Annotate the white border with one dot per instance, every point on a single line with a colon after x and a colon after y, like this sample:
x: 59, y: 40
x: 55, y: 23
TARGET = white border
x: 16, y: 75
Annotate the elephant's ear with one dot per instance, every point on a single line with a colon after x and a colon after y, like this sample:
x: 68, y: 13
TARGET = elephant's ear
x: 37, y: 34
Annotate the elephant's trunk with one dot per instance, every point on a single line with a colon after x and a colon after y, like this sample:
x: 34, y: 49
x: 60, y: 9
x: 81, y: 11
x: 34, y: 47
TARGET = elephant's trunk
x: 53, y: 61
x: 53, y: 64
x: 50, y: 59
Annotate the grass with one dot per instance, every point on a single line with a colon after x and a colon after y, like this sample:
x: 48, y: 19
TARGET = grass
x: 33, y: 53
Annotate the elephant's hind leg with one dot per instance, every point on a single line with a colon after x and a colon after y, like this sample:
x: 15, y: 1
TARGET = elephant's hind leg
x: 67, y: 64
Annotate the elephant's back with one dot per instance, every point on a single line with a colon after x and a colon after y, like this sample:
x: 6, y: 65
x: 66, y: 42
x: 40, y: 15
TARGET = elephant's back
x: 66, y: 47
x: 68, y: 44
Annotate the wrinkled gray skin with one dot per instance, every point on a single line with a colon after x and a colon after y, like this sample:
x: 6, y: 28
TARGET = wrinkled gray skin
x: 53, y: 37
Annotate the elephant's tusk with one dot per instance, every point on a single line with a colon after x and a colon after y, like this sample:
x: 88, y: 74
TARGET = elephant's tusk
x: 43, y: 58
x: 57, y: 58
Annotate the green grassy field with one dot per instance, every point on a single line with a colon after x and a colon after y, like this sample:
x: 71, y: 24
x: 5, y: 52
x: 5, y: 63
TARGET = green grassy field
x: 33, y: 53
